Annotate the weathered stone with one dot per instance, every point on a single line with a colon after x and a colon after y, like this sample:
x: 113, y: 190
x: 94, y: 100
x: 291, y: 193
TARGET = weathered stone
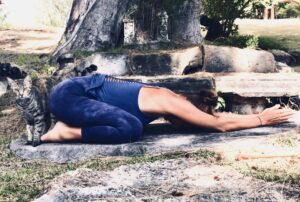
x: 259, y: 85
x: 178, y: 62
x: 179, y: 84
x: 151, y: 65
x: 158, y: 138
x: 3, y: 85
x: 169, y: 180
x: 296, y: 56
x: 129, y: 32
x: 230, y: 59
x: 65, y: 59
x: 244, y: 105
x: 14, y: 72
x: 284, y: 68
x: 162, y: 28
x: 282, y: 56
x: 107, y: 63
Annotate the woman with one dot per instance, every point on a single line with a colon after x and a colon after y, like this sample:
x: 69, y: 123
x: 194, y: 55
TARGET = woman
x: 105, y: 110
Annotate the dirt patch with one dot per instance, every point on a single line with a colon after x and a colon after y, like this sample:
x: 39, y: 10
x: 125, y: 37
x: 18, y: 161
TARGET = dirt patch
x: 29, y: 40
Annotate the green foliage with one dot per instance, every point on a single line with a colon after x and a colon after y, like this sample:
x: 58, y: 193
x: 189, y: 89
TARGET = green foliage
x: 221, y: 104
x: 23, y: 59
x: 49, y: 70
x: 33, y: 75
x: 226, y: 11
x: 250, y: 41
x: 288, y: 10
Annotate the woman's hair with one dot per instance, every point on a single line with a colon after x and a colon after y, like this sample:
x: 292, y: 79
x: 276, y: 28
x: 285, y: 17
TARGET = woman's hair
x: 206, y: 101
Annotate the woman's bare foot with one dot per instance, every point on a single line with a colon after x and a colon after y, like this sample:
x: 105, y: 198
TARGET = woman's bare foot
x: 61, y: 132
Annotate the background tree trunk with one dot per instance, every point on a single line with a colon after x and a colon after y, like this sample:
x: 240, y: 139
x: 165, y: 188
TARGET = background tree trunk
x: 96, y: 25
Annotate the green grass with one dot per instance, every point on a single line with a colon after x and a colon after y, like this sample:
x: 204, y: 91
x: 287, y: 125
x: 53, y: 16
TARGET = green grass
x: 265, y: 34
x: 268, y: 174
x: 251, y: 41
x: 285, y: 32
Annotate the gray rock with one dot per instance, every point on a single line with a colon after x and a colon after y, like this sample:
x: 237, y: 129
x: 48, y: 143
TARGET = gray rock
x: 12, y: 71
x: 158, y: 138
x: 230, y: 59
x: 65, y: 59
x: 259, y: 85
x: 175, y: 62
x: 284, y: 57
x: 108, y: 63
x: 296, y: 56
x: 179, y: 84
x: 168, y: 180
x: 3, y: 85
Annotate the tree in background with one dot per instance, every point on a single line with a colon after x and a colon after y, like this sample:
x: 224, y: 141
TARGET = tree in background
x: 288, y: 10
x: 226, y: 12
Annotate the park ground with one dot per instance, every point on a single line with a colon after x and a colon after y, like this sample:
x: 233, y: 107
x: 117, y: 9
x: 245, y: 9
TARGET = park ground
x: 22, y: 180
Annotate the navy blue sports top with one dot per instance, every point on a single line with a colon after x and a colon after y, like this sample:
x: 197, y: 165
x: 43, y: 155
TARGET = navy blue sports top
x: 117, y: 92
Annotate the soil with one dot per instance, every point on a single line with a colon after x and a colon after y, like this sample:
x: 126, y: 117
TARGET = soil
x: 29, y: 41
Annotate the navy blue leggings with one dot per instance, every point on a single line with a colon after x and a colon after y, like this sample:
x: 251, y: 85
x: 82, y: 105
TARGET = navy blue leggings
x: 100, y: 122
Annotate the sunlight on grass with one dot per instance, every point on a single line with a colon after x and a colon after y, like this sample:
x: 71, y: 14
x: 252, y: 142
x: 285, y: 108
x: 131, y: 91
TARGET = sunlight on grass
x: 285, y: 31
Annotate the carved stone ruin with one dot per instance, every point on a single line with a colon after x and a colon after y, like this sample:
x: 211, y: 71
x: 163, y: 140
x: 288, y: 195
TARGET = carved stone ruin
x: 129, y: 31
x: 162, y: 26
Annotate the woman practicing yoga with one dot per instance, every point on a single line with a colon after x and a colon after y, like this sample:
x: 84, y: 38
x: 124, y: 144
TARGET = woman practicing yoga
x: 105, y: 110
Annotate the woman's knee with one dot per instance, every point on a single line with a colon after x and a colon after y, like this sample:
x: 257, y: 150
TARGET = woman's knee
x: 131, y: 128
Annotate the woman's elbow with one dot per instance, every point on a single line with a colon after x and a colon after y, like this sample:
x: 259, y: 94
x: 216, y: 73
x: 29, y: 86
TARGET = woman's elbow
x: 222, y: 126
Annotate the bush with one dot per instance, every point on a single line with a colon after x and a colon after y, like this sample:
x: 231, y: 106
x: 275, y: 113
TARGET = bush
x: 288, y: 10
x: 226, y: 12
x: 250, y: 41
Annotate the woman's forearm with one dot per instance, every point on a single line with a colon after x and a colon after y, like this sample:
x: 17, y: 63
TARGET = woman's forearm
x: 190, y: 114
x: 236, y: 122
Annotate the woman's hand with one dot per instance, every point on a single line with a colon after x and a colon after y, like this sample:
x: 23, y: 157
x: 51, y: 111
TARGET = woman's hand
x: 275, y: 115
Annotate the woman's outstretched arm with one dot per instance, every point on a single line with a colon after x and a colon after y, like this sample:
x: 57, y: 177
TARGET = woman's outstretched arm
x: 166, y: 102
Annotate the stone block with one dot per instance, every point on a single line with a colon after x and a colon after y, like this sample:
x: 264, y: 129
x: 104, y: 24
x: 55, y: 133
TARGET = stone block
x: 157, y: 139
x: 179, y: 84
x: 259, y: 85
x: 230, y: 59
x: 107, y: 63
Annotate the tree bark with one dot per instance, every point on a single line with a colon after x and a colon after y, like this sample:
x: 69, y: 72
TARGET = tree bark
x: 97, y: 25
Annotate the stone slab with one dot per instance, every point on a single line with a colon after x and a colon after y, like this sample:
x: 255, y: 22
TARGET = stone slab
x: 179, y: 84
x: 231, y: 59
x: 169, y: 180
x: 158, y: 138
x: 3, y: 85
x: 259, y: 85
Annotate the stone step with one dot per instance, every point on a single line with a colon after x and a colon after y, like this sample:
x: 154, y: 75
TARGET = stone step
x: 205, y: 58
x: 259, y: 85
x: 242, y: 84
x: 157, y: 139
x: 181, y: 84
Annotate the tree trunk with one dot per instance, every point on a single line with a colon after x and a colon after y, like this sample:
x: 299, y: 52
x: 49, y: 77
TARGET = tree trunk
x: 96, y: 25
